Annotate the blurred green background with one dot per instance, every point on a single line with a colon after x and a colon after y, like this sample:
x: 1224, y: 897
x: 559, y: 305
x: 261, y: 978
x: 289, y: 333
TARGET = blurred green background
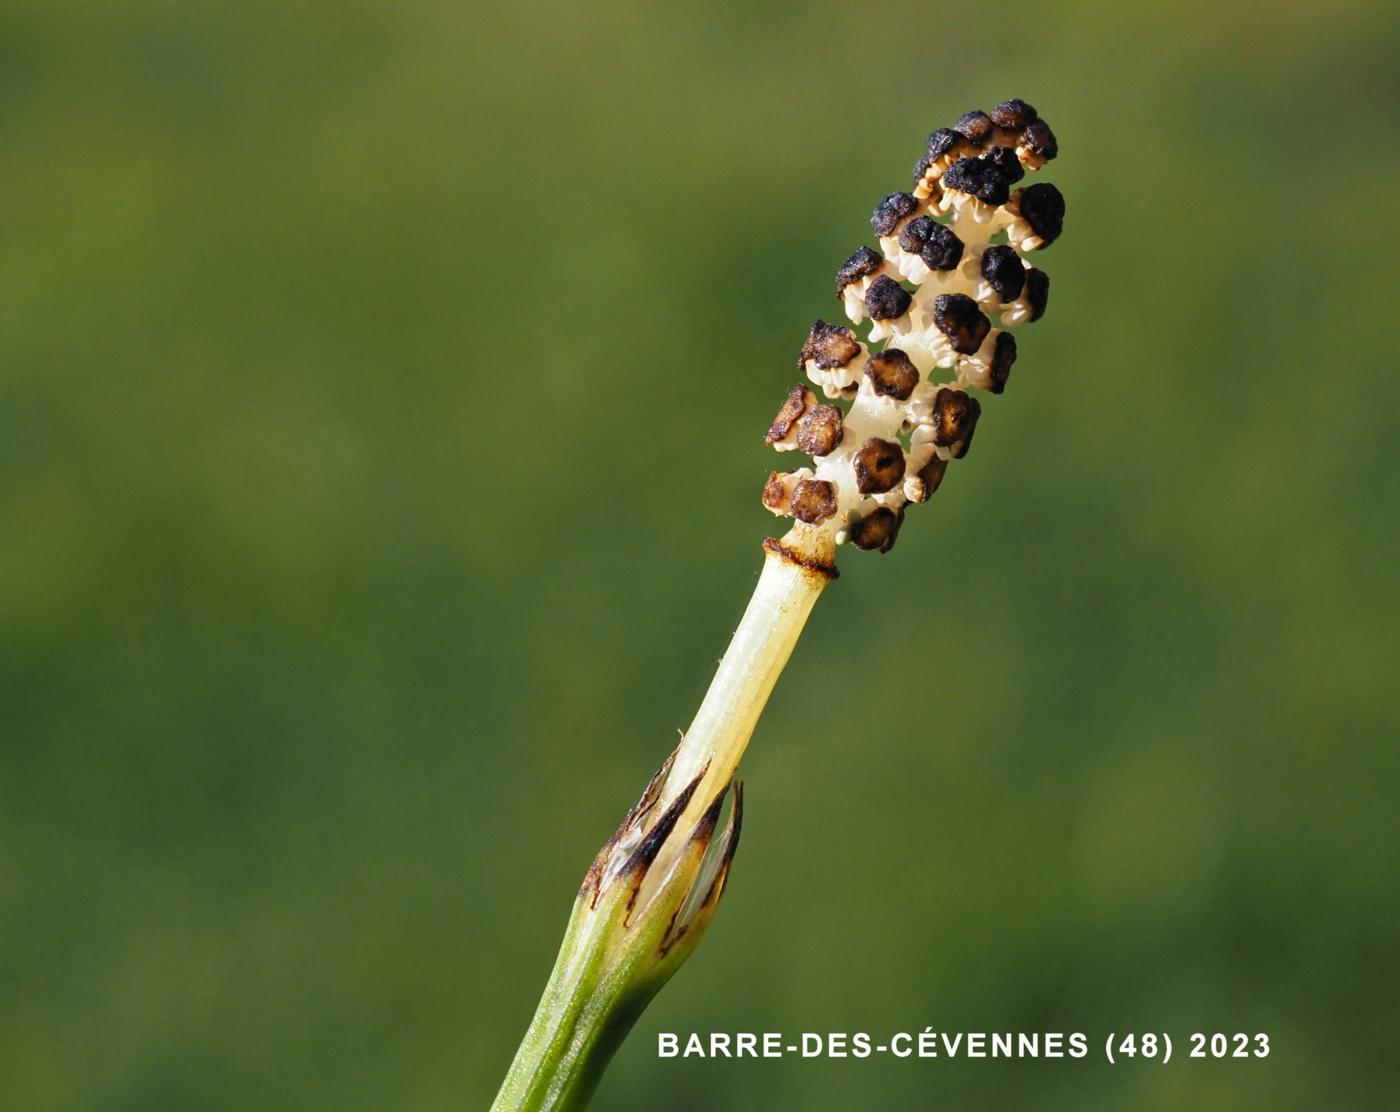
x: 381, y: 399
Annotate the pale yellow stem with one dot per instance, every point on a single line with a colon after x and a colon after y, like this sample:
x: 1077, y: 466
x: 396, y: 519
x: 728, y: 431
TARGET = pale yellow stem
x: 794, y: 572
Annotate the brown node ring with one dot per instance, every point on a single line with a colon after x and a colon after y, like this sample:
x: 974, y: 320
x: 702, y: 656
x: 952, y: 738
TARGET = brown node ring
x: 812, y: 565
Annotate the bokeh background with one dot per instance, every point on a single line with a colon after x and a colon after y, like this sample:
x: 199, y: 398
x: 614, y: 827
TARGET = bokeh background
x: 381, y: 399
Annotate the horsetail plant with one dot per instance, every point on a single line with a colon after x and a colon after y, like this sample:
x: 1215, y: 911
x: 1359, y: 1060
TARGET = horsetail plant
x: 951, y: 261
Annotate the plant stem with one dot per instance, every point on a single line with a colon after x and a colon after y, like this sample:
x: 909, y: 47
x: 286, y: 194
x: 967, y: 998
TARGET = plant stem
x: 653, y: 889
x: 788, y: 587
x: 576, y: 1028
